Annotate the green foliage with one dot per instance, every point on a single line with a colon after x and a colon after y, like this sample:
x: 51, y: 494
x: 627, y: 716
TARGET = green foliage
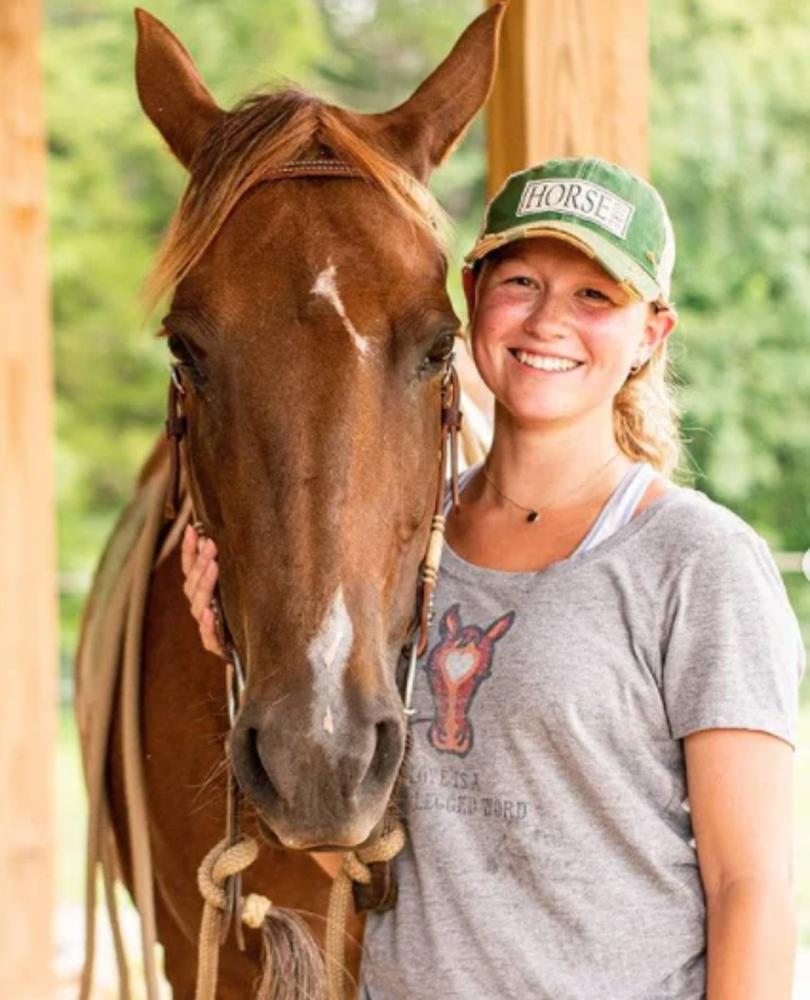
x: 730, y: 143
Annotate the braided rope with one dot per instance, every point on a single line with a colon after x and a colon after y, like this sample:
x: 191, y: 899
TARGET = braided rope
x: 354, y: 869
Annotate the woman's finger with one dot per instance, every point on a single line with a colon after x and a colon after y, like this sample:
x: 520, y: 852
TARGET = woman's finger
x: 194, y: 574
x: 201, y: 598
x: 208, y: 632
x: 198, y: 560
x: 189, y: 549
x: 207, y: 552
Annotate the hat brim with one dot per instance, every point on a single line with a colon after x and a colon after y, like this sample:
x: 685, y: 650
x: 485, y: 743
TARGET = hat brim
x: 618, y: 264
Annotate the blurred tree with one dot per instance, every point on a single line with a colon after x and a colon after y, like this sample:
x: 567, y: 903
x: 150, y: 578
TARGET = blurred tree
x: 730, y: 148
x: 731, y: 145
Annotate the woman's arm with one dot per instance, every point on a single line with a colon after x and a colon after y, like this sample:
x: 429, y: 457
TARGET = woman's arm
x: 741, y: 799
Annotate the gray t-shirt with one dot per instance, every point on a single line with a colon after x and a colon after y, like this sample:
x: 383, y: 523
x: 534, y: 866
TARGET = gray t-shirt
x: 550, y: 851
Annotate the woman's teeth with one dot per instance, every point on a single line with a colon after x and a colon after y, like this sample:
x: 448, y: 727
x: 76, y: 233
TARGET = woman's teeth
x: 546, y: 364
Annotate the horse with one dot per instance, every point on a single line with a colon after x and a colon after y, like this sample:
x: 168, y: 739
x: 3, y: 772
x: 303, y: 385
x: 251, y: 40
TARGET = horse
x: 309, y: 328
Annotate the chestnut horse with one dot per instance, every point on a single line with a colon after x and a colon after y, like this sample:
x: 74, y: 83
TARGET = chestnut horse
x: 310, y: 323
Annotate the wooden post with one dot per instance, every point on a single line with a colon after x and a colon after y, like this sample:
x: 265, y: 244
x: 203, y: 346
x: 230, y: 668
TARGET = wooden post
x: 573, y: 80
x: 27, y: 566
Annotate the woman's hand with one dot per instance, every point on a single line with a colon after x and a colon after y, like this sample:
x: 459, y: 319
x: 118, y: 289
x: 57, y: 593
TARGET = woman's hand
x: 199, y: 560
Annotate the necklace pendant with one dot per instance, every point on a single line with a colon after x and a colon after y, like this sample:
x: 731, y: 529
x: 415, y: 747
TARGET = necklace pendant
x: 532, y: 516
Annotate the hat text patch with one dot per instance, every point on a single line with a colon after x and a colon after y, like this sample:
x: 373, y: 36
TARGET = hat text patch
x: 578, y: 197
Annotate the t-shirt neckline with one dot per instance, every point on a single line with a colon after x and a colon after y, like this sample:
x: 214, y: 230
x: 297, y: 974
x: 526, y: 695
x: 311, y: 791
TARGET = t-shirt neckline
x: 457, y: 566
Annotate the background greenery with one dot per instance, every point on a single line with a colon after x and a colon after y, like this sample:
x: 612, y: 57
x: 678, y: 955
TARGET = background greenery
x: 730, y: 135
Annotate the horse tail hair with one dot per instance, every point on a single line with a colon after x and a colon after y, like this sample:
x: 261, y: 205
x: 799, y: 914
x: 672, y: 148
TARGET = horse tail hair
x: 293, y: 967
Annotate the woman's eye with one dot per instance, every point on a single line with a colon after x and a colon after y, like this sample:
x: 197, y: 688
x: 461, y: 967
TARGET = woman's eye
x: 594, y: 294
x: 523, y: 280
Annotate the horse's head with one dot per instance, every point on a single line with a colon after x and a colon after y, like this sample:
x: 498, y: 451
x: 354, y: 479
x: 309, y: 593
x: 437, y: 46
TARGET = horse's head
x: 311, y: 322
x: 456, y: 667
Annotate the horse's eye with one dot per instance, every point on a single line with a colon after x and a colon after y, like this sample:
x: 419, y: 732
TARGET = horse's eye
x: 178, y: 349
x: 184, y: 358
x: 440, y: 351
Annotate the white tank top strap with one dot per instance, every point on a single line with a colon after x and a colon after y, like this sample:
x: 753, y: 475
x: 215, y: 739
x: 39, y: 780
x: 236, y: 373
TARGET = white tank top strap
x: 619, y: 507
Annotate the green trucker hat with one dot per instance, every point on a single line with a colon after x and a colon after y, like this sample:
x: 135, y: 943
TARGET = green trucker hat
x: 608, y: 212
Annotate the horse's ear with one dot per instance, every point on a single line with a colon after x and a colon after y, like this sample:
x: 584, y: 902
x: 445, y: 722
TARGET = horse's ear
x: 500, y: 626
x: 424, y: 129
x: 171, y: 90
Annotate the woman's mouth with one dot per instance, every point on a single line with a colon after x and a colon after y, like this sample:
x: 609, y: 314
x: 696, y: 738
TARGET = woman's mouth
x: 544, y: 362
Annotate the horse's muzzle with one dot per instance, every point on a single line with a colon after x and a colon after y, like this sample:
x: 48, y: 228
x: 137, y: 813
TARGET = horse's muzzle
x: 314, y: 788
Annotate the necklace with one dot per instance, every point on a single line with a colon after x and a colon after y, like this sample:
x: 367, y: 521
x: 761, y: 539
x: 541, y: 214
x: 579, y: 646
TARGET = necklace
x: 533, y: 513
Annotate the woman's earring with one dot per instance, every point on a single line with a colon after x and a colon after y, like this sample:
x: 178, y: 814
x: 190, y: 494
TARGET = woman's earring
x: 636, y: 366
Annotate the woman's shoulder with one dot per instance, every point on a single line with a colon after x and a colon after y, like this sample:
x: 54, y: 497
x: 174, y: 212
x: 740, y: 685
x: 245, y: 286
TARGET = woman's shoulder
x: 690, y: 522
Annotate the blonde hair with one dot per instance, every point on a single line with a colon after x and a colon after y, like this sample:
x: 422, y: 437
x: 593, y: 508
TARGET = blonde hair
x: 646, y: 415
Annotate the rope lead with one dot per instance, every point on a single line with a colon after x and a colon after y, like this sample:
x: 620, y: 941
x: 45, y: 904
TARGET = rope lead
x: 354, y: 869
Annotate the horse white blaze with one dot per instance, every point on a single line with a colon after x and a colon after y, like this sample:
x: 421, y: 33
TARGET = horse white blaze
x: 328, y: 652
x: 326, y: 286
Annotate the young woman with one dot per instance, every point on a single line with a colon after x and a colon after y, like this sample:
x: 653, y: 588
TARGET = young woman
x: 598, y: 793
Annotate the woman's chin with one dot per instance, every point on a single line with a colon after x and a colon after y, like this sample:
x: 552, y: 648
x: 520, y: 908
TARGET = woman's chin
x: 534, y: 412
x: 538, y: 421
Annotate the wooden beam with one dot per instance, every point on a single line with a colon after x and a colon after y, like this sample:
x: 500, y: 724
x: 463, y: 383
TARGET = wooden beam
x: 573, y: 80
x: 27, y: 567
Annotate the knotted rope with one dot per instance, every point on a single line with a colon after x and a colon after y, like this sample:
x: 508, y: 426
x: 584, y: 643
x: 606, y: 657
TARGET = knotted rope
x: 222, y: 862
x: 354, y: 869
x: 217, y: 866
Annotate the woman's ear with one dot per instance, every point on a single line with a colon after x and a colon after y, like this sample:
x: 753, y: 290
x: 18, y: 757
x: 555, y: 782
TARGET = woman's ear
x: 660, y: 324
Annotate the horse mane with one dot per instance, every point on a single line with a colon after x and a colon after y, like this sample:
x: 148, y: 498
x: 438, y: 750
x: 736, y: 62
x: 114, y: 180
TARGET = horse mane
x: 259, y: 135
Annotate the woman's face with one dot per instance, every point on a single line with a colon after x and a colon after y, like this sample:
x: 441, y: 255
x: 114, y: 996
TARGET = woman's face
x: 541, y: 299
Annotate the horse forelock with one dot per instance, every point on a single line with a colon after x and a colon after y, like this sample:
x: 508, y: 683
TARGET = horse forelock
x: 261, y: 134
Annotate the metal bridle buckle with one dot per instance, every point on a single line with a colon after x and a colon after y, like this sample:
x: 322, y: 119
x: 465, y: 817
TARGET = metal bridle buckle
x: 236, y: 685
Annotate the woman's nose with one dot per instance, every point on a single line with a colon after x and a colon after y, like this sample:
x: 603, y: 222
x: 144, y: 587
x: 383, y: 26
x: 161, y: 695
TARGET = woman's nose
x: 547, y: 316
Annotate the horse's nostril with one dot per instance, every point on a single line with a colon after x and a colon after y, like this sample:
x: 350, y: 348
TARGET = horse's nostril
x: 386, y: 752
x: 261, y: 784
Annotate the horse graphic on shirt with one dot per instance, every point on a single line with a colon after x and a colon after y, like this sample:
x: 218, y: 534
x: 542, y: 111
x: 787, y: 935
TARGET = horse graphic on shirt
x: 456, y: 667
